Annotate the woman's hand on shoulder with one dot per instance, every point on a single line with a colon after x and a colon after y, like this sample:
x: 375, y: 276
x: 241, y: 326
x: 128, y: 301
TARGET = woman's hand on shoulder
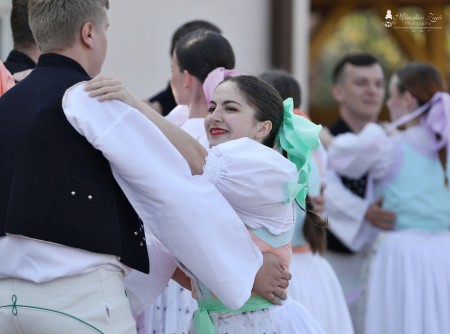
x: 110, y: 88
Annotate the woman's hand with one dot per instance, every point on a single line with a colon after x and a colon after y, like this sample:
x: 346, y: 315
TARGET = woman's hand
x: 272, y: 279
x: 379, y: 217
x: 181, y: 278
x: 109, y: 88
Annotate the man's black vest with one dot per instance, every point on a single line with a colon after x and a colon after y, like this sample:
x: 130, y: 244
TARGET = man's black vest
x: 18, y: 61
x: 54, y: 185
x: 356, y: 186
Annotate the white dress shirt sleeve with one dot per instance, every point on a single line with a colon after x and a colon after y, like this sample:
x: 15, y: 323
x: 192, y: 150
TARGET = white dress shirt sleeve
x: 353, y: 155
x: 186, y: 213
x: 143, y: 289
x: 254, y: 179
x: 346, y: 211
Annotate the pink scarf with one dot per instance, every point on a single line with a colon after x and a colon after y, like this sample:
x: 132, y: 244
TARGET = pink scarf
x: 436, y: 121
x: 6, y: 79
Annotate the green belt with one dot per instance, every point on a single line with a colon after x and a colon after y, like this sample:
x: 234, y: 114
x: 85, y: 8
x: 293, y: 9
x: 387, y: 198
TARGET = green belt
x: 203, y: 323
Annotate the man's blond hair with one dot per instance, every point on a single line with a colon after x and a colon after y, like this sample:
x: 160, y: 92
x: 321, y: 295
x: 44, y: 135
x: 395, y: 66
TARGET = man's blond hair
x: 55, y: 23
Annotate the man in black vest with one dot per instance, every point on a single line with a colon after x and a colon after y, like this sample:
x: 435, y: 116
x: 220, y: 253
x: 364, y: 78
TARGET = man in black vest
x: 354, y: 215
x: 63, y: 219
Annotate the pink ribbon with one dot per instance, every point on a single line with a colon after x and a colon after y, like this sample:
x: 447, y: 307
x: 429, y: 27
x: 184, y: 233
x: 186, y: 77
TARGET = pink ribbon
x: 437, y: 120
x: 214, y: 78
x: 6, y: 79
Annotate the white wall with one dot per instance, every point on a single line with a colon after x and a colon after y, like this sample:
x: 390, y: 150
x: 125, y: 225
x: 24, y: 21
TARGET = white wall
x: 5, y: 30
x: 300, y: 47
x: 140, y: 33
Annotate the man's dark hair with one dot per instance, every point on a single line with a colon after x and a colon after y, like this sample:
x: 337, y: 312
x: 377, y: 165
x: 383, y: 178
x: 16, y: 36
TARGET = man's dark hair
x: 21, y: 32
x: 355, y: 59
x: 285, y: 83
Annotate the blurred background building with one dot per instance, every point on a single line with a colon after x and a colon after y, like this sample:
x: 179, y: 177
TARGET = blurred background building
x: 419, y: 30
x: 305, y: 37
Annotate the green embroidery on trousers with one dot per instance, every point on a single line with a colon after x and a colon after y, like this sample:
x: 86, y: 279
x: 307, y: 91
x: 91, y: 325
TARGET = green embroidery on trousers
x: 14, y: 306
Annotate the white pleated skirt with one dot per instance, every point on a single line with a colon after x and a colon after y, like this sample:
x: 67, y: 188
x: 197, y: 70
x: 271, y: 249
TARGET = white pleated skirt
x: 170, y: 313
x: 290, y: 318
x: 315, y: 285
x: 409, y: 284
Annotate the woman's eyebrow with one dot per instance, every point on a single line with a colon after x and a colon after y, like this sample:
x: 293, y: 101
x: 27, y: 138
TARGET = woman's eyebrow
x: 231, y: 101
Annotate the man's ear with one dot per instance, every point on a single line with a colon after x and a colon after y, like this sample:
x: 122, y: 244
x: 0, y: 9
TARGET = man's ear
x: 263, y: 129
x: 337, y: 92
x: 87, y: 34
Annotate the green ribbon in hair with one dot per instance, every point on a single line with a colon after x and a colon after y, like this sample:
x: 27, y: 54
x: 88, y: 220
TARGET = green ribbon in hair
x: 298, y: 136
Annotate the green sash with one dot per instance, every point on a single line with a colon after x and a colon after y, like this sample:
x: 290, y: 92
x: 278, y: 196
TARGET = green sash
x: 202, y: 322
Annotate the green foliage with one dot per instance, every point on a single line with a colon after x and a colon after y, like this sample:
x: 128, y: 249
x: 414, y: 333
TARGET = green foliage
x: 360, y: 31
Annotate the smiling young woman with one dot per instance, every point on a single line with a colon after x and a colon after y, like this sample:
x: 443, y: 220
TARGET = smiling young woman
x: 247, y: 119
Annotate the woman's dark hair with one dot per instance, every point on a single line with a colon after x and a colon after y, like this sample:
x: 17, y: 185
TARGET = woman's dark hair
x: 202, y: 51
x: 266, y: 101
x: 422, y: 81
x: 314, y: 230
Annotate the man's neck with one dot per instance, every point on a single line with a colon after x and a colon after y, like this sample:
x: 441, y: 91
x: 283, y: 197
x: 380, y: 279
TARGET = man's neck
x: 32, y: 52
x: 354, y: 123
